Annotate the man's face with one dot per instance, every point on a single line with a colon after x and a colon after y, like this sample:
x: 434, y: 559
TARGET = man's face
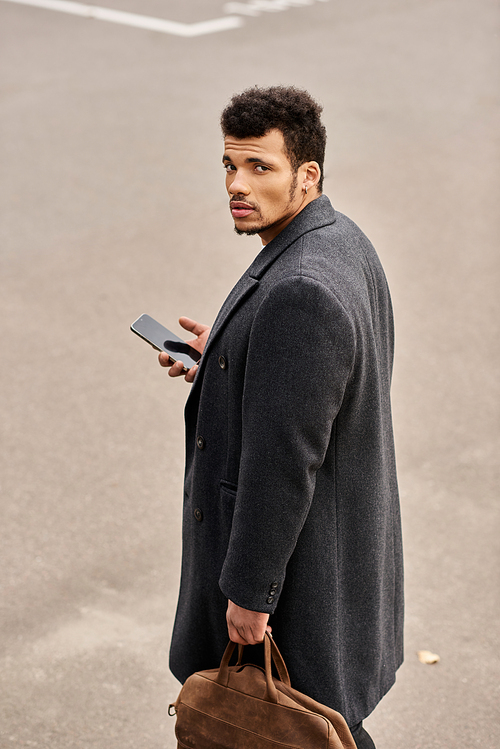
x: 264, y: 194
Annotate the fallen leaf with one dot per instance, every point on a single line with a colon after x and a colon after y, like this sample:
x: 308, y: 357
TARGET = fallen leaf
x: 425, y: 656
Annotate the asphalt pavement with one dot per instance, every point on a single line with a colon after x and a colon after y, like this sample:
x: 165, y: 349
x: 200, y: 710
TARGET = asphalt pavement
x: 112, y: 204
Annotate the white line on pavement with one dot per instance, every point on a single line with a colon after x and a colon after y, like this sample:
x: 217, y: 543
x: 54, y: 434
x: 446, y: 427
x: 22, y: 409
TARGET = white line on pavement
x: 133, y: 19
x: 256, y: 7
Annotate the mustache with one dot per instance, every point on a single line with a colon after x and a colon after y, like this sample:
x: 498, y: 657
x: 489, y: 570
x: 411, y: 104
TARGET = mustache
x: 242, y: 199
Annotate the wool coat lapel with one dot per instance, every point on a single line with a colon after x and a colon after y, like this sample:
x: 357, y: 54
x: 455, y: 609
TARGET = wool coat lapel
x: 315, y: 215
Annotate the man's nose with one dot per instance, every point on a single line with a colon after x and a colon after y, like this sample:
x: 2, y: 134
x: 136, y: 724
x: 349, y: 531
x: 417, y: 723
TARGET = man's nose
x: 238, y: 185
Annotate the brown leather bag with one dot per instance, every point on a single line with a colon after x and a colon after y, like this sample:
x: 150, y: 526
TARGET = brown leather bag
x: 246, y: 707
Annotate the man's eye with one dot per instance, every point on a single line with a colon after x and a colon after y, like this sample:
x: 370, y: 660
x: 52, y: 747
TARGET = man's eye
x: 261, y: 169
x: 229, y: 167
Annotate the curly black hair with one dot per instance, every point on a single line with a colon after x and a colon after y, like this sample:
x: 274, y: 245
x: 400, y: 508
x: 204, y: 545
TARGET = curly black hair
x: 256, y: 111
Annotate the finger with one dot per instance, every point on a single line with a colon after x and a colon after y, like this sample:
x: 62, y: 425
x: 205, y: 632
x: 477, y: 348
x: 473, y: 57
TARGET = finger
x: 241, y: 636
x: 247, y: 636
x: 259, y: 632
x: 191, y: 325
x: 176, y: 370
x: 234, y: 636
x: 235, y: 633
x: 164, y: 359
x: 191, y: 373
x: 257, y: 638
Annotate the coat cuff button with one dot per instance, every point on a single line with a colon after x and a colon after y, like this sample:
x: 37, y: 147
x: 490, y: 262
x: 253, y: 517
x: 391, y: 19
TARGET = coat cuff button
x: 270, y: 599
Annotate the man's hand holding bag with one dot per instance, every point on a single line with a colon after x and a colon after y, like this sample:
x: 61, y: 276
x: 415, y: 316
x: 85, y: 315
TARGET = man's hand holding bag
x: 246, y: 707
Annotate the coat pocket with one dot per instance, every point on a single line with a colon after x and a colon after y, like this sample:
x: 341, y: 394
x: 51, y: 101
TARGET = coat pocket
x: 227, y: 495
x: 229, y: 488
x: 223, y: 522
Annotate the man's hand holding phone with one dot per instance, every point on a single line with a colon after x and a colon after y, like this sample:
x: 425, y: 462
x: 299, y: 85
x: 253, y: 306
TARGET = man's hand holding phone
x: 179, y: 355
x: 201, y: 332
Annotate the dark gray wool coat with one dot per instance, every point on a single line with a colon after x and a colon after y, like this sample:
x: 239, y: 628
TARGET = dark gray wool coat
x: 291, y: 504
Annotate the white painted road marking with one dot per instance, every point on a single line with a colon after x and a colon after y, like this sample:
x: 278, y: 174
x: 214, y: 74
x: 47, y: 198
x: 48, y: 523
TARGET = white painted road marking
x: 133, y: 19
x: 256, y: 7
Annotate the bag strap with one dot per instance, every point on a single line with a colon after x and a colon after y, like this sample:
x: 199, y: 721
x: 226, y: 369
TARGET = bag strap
x: 223, y: 675
x: 271, y: 691
x: 241, y: 648
x: 278, y: 660
x: 271, y: 652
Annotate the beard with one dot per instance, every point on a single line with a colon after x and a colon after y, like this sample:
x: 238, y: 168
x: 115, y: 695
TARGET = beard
x: 252, y: 232
x: 265, y: 226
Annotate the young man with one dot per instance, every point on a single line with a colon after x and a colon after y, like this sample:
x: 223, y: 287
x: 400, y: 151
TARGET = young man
x: 291, y: 511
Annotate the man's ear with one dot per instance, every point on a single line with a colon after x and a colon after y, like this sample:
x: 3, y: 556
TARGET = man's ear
x: 311, y: 175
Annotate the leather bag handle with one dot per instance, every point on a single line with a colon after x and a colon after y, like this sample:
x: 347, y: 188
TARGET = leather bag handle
x: 271, y: 652
x: 278, y: 659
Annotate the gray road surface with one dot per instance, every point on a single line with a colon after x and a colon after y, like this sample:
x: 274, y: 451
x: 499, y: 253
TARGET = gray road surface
x: 112, y: 204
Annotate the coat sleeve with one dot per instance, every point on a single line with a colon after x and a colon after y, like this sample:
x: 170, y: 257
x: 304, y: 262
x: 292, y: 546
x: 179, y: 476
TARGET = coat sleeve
x: 300, y: 357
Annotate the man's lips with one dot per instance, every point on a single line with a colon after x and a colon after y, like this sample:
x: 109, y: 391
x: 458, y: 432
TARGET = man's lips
x: 239, y: 209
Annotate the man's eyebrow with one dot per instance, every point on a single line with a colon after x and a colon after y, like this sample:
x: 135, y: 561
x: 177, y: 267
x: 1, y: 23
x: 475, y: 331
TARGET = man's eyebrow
x: 250, y: 160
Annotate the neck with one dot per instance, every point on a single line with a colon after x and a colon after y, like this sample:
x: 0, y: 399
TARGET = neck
x: 272, y: 231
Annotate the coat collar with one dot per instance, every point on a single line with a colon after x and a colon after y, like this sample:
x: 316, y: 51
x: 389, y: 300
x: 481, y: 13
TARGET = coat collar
x: 315, y: 215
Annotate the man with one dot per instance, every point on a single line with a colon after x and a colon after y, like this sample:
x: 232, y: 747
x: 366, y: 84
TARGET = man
x: 291, y: 513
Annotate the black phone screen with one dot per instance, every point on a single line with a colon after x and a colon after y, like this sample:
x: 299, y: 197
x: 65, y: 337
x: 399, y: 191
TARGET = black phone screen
x: 163, y: 339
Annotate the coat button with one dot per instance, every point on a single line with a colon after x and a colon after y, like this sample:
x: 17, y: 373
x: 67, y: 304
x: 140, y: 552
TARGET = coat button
x: 222, y: 362
x: 274, y: 586
x: 200, y: 441
x: 198, y: 514
x: 270, y: 599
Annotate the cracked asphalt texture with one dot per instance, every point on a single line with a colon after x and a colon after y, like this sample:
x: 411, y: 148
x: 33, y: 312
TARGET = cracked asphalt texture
x: 113, y: 204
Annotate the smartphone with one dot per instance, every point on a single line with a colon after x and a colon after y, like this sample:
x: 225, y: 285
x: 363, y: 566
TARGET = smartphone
x: 163, y: 339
